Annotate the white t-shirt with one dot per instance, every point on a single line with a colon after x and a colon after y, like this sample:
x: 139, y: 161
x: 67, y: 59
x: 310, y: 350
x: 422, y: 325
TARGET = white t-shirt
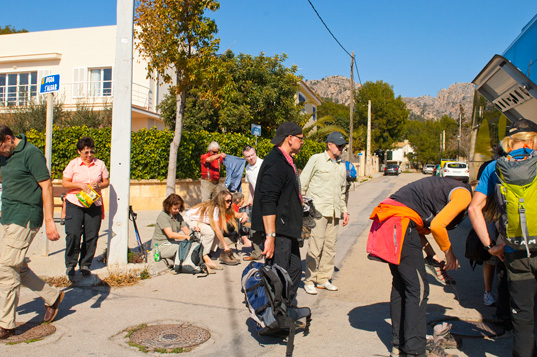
x: 251, y: 172
x: 194, y: 216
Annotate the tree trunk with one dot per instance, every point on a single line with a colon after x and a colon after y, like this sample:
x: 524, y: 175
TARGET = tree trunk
x: 174, y: 145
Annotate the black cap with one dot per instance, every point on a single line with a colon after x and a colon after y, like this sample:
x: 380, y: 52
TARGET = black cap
x: 337, y: 138
x: 284, y: 130
x: 522, y: 126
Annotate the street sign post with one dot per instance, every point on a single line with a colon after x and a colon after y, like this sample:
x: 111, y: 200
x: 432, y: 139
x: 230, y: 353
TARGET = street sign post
x: 49, y: 85
x: 256, y: 131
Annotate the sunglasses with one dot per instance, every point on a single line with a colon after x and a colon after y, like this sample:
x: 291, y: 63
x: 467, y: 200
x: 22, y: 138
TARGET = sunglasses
x: 87, y: 152
x: 228, y: 201
x: 301, y: 138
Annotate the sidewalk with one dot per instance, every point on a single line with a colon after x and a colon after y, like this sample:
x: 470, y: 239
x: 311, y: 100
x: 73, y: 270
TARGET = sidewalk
x: 351, y: 322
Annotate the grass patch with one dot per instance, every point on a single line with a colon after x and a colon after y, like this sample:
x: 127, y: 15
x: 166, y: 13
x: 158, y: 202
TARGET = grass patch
x: 115, y: 280
x: 145, y: 275
x: 58, y: 282
x: 136, y: 258
x: 140, y: 347
x: 33, y: 340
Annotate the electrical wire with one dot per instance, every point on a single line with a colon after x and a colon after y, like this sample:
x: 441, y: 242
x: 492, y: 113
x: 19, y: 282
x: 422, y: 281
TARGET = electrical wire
x: 334, y: 37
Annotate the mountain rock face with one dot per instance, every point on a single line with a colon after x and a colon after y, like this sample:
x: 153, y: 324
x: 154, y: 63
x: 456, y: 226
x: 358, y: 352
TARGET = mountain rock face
x: 337, y: 88
x: 446, y: 102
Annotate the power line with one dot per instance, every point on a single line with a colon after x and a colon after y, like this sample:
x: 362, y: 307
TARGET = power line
x: 334, y: 37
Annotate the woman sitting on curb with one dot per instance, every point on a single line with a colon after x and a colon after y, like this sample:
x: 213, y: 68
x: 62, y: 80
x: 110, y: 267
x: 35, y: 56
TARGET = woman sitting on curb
x: 212, y: 217
x: 170, y: 226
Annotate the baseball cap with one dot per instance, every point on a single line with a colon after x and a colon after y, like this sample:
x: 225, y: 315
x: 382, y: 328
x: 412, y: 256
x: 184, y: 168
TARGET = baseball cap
x: 336, y: 138
x: 522, y: 126
x: 284, y: 130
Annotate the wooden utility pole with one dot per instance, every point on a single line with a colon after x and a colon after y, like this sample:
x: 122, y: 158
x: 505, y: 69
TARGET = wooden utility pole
x: 368, y: 148
x: 351, y: 124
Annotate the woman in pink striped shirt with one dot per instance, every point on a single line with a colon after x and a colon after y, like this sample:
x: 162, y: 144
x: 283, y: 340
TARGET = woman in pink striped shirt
x: 82, y: 223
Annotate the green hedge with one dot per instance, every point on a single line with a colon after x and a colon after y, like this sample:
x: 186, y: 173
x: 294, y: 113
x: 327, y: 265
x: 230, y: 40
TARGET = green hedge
x: 150, y: 149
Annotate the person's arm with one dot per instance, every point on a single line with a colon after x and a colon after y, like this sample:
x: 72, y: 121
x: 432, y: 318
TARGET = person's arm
x: 475, y: 213
x: 343, y: 207
x: 250, y: 194
x: 175, y: 235
x: 67, y: 182
x: 100, y: 185
x: 218, y: 231
x: 215, y: 157
x: 270, y: 227
x: 459, y: 200
x: 48, y: 207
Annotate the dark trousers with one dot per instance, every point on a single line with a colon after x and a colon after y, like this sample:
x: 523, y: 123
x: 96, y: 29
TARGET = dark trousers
x: 408, y: 301
x: 82, y: 230
x: 287, y: 256
x: 521, y: 275
x: 503, y: 310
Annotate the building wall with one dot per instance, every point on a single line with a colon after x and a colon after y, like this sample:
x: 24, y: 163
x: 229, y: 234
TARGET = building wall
x: 70, y: 53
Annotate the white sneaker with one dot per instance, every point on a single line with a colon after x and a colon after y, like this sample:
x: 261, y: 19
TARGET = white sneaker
x: 328, y: 286
x: 310, y: 289
x: 488, y: 298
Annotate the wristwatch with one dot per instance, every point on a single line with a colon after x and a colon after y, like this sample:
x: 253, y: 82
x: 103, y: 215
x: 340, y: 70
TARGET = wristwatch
x: 492, y: 244
x: 271, y: 234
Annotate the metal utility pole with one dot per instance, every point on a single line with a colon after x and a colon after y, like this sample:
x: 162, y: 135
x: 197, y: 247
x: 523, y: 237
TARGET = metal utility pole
x: 351, y: 124
x: 48, y: 155
x: 368, y: 148
x: 120, y: 155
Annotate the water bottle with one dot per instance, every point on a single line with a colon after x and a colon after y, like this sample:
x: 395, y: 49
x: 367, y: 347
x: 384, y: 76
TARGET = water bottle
x: 156, y: 253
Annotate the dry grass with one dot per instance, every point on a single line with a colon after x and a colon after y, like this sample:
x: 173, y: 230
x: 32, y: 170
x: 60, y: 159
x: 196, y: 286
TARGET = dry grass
x: 115, y: 280
x: 58, y: 282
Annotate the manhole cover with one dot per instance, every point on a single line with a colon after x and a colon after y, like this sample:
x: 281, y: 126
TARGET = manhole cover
x: 170, y: 337
x: 473, y: 328
x: 27, y: 332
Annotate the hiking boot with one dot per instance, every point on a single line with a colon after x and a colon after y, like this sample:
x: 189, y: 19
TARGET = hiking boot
x: 70, y: 272
x: 52, y: 311
x: 85, y: 271
x: 489, y: 299
x: 438, y: 351
x: 6, y: 333
x: 227, y: 257
x: 444, y: 338
x: 327, y: 286
x: 310, y: 289
x: 438, y: 270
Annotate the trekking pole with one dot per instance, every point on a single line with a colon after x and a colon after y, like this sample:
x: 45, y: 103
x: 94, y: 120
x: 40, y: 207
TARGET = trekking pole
x: 132, y: 217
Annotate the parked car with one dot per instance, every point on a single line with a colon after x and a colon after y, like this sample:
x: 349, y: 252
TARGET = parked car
x: 436, y: 171
x: 392, y: 169
x: 456, y: 170
x: 428, y: 169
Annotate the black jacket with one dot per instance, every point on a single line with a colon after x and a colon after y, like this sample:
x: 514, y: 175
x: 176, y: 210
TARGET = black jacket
x: 277, y: 193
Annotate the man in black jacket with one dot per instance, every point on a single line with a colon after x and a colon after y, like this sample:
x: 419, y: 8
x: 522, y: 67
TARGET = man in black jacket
x: 277, y: 208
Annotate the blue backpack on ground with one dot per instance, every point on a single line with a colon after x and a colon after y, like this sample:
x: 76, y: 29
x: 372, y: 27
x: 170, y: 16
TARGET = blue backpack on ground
x: 351, y: 171
x: 266, y: 294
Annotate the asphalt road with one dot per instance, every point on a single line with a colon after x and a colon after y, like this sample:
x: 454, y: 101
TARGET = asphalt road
x: 351, y: 322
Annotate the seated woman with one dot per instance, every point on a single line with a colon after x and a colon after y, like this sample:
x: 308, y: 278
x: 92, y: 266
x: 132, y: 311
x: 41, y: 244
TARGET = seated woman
x: 170, y: 226
x: 212, y: 218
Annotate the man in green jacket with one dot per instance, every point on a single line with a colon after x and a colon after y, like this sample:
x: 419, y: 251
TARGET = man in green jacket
x: 27, y: 188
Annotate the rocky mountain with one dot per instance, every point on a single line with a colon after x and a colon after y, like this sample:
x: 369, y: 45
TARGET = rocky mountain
x: 446, y: 101
x: 334, y: 87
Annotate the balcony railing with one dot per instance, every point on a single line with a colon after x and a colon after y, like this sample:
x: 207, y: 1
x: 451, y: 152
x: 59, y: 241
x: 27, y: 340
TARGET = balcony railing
x: 97, y: 94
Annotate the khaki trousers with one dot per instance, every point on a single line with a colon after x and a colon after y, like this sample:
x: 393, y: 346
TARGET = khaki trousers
x: 14, y: 271
x: 209, y: 189
x: 321, y: 251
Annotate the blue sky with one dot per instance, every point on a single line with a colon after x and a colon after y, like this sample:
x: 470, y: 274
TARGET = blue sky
x: 417, y: 46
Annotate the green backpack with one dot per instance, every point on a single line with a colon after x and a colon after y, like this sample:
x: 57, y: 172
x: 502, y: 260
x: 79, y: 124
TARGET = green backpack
x: 516, y: 195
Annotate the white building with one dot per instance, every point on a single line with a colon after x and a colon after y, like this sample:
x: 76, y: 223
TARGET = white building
x: 399, y: 155
x: 84, y: 58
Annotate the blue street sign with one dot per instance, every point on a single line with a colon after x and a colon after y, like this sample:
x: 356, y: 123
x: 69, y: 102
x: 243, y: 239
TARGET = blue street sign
x: 256, y: 130
x: 50, y: 84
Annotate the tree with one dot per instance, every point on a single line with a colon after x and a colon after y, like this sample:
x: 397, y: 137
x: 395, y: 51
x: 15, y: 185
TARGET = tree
x: 245, y: 90
x: 178, y: 42
x: 8, y: 29
x: 388, y: 113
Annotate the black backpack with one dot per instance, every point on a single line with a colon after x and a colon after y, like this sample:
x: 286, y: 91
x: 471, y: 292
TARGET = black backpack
x: 266, y: 294
x: 475, y: 252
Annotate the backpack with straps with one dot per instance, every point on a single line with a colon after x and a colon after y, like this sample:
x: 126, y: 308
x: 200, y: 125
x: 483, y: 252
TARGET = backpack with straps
x: 189, y: 257
x: 266, y: 294
x: 516, y: 195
